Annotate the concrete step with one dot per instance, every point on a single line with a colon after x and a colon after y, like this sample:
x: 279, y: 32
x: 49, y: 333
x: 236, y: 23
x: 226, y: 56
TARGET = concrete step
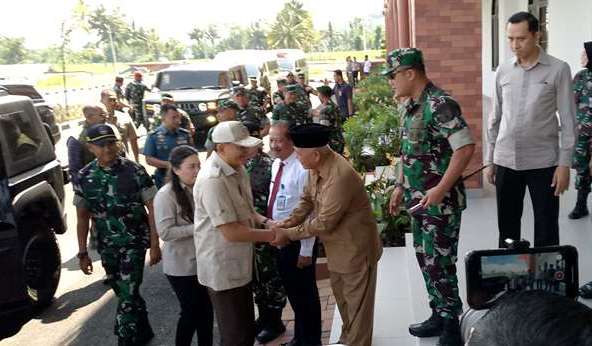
x: 392, y: 310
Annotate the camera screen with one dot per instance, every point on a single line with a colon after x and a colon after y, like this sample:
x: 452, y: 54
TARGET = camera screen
x: 521, y: 272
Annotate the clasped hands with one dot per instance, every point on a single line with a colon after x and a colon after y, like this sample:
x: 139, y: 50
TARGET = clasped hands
x: 278, y: 229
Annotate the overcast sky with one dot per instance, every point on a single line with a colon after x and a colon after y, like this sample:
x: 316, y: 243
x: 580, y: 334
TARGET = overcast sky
x: 39, y: 21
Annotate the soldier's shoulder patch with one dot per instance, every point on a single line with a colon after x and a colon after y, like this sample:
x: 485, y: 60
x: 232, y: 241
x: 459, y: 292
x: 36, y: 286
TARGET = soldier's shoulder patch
x: 444, y: 108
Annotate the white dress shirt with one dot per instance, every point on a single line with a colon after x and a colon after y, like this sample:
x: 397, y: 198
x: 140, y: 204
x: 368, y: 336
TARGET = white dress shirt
x: 294, y: 178
x: 178, y: 252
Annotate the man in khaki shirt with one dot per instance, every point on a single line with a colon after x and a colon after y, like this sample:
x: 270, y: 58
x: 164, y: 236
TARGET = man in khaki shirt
x: 225, y: 221
x: 334, y: 206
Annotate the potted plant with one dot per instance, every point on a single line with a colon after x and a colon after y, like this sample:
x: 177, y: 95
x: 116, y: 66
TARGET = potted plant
x: 372, y: 139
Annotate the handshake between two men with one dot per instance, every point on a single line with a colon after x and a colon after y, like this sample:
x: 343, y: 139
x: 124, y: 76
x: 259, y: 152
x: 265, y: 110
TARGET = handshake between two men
x: 279, y: 238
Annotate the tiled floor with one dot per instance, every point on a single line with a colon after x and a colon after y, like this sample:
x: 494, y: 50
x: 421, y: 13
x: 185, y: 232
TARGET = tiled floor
x: 327, y: 309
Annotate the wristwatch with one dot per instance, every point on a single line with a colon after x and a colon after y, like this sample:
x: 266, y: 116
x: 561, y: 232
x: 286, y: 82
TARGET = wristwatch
x: 82, y: 254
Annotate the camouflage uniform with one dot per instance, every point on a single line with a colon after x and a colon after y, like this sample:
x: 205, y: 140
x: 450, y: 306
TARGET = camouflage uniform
x: 115, y: 198
x: 583, y: 95
x: 134, y: 93
x: 425, y: 153
x: 118, y: 92
x: 254, y: 114
x: 329, y: 116
x: 257, y: 96
x: 267, y: 284
x: 277, y: 97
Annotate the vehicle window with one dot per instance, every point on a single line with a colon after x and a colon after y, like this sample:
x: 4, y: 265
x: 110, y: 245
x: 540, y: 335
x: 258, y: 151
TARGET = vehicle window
x: 252, y: 70
x: 272, y: 65
x: 179, y: 80
x: 24, y: 142
x: 223, y: 80
x: 286, y: 64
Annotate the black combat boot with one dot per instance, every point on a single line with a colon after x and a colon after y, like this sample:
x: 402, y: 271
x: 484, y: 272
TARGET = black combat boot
x: 581, y: 208
x: 430, y: 327
x: 450, y: 333
x: 273, y: 327
x: 261, y: 320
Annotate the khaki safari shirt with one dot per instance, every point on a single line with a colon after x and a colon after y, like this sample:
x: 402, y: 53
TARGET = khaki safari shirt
x: 222, y: 196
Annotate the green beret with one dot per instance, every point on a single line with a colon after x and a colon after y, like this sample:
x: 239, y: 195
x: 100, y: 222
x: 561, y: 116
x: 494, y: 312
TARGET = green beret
x: 166, y: 96
x: 325, y: 90
x: 402, y: 58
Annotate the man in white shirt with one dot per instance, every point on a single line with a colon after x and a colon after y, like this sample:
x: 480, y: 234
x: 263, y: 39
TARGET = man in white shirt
x: 297, y: 260
x: 367, y: 67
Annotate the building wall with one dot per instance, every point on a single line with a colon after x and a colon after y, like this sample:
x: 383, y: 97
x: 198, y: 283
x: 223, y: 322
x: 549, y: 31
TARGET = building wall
x: 570, y: 25
x: 449, y: 35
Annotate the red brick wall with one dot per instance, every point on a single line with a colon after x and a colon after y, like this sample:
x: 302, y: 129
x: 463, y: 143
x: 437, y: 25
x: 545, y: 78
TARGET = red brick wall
x: 449, y: 34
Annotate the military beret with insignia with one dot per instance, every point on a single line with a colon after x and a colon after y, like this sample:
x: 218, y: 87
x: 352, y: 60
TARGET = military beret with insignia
x: 403, y: 58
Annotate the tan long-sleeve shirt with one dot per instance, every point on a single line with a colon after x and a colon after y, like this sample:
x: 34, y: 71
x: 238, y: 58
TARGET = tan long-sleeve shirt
x: 335, y: 207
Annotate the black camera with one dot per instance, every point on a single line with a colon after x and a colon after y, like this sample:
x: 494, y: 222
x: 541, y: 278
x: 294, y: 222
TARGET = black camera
x: 491, y: 274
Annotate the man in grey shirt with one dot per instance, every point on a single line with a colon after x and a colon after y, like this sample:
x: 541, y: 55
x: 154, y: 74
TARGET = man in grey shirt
x: 529, y: 145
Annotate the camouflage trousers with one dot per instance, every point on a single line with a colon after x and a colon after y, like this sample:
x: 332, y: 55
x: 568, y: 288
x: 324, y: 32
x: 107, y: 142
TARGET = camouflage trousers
x: 581, y: 159
x: 267, y: 284
x: 435, y: 239
x: 125, y: 271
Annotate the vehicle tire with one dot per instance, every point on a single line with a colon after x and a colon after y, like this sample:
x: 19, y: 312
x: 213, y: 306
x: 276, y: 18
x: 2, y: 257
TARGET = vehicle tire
x: 41, y: 265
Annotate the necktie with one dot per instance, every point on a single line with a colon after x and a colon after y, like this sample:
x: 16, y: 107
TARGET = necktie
x: 274, y: 191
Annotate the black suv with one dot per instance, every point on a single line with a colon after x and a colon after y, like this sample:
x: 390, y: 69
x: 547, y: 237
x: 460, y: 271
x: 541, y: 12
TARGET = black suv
x: 31, y: 213
x: 44, y: 109
x: 197, y: 89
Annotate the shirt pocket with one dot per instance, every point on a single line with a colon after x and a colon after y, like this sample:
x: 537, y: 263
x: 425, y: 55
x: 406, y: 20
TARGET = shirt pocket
x: 541, y: 90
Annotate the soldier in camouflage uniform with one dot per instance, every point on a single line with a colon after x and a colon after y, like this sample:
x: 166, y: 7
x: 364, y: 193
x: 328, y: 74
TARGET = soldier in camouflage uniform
x: 227, y: 111
x: 250, y: 112
x: 436, y: 146
x: 278, y: 96
x: 114, y: 192
x: 327, y: 113
x: 134, y: 94
x: 270, y: 295
x: 257, y: 95
x: 582, y: 85
x: 293, y: 111
x: 307, y: 89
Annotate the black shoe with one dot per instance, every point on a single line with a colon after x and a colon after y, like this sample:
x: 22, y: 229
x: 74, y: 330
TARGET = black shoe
x: 450, y: 333
x: 274, y: 327
x: 581, y: 208
x: 430, y: 327
x: 260, y: 321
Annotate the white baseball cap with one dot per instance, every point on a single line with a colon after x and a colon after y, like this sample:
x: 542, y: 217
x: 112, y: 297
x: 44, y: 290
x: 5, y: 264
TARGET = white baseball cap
x: 234, y: 132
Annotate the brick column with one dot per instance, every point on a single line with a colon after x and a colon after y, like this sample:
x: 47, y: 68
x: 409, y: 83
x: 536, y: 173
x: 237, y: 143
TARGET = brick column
x: 449, y: 34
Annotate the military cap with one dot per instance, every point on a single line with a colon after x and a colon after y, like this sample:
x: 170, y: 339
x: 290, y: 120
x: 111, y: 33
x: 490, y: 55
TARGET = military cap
x: 252, y: 78
x: 119, y: 79
x: 228, y: 104
x: 325, y: 90
x: 167, y: 96
x: 301, y: 74
x: 292, y: 88
x: 399, y: 59
x: 310, y: 135
x: 101, y: 135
